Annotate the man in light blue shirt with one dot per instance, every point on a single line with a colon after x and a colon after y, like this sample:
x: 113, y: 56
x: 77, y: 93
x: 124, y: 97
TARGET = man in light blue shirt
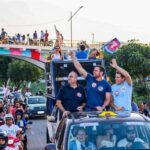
x: 122, y: 89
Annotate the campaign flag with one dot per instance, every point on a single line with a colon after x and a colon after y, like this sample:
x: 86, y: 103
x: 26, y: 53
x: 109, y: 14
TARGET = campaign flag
x: 112, y: 46
x: 59, y: 37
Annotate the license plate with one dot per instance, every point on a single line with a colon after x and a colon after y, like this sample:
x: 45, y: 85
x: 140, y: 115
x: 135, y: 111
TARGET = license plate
x: 40, y: 112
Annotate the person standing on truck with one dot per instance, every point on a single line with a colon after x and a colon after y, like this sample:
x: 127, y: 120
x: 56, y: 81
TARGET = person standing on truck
x: 122, y: 89
x: 71, y: 97
x: 98, y: 90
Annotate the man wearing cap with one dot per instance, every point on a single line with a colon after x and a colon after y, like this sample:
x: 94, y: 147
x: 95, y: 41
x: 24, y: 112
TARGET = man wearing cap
x: 122, y: 89
x: 130, y: 138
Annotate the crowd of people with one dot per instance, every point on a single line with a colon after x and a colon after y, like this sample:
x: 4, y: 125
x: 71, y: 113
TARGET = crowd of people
x: 36, y: 39
x: 14, y: 117
x: 98, y: 94
x: 83, y: 52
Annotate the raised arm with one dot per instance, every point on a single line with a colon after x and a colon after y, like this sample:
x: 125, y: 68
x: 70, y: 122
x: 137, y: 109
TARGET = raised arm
x: 77, y: 65
x: 122, y: 71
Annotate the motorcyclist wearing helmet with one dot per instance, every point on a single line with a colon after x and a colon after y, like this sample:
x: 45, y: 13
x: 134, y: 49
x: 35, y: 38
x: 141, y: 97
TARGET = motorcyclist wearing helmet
x: 11, y: 128
x: 3, y: 140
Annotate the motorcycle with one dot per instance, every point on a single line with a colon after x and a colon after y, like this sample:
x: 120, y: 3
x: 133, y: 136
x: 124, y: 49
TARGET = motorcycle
x: 12, y: 143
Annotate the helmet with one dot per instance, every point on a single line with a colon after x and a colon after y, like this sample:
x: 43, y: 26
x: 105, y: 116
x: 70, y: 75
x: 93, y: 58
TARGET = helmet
x: 19, y: 112
x: 4, y: 136
x: 9, y: 116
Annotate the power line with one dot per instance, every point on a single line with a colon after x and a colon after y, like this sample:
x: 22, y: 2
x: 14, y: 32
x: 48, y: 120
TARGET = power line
x: 39, y: 24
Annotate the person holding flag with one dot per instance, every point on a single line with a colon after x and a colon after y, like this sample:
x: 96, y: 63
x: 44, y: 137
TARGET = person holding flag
x: 59, y: 37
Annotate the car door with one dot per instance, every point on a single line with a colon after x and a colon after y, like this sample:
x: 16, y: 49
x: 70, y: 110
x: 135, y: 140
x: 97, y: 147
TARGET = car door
x: 52, y: 124
x: 60, y: 134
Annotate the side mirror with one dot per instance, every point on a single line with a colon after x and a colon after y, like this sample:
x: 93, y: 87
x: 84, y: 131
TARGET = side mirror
x: 50, y: 147
x: 51, y: 118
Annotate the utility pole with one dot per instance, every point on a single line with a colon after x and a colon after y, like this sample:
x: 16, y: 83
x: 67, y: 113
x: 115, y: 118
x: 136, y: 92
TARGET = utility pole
x: 92, y: 40
x: 70, y: 19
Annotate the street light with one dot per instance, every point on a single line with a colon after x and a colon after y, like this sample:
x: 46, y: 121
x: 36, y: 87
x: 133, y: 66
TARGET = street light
x: 70, y: 19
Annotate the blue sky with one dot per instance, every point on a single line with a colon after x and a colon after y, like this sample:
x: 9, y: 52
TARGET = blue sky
x: 124, y: 19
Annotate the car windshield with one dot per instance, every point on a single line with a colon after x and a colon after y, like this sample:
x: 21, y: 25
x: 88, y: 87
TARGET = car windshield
x: 114, y: 136
x: 37, y: 100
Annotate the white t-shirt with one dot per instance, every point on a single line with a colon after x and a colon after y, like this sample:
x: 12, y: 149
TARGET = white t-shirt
x: 27, y: 94
x: 124, y: 142
x: 12, y: 130
x: 106, y: 143
x: 56, y: 57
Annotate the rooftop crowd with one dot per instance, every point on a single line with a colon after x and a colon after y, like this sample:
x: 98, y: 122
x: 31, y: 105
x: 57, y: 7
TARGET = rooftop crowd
x: 36, y: 39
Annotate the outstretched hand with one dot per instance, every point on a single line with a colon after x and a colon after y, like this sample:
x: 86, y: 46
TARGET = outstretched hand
x: 114, y: 63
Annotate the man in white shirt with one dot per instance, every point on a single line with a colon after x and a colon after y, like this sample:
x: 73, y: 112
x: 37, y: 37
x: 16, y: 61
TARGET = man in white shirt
x: 130, y: 138
x: 9, y: 127
x: 27, y: 93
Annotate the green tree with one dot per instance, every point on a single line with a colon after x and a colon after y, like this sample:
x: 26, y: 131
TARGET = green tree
x: 21, y: 72
x: 4, y: 61
x: 135, y: 58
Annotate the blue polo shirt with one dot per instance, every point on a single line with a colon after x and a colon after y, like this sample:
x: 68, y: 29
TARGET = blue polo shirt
x: 96, y: 92
x: 71, y: 98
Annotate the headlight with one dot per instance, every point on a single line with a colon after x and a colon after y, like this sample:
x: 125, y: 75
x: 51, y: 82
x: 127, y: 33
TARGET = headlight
x: 10, y: 141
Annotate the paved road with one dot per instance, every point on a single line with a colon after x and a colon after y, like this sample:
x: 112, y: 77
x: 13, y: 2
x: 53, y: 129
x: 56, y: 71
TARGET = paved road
x: 37, y: 134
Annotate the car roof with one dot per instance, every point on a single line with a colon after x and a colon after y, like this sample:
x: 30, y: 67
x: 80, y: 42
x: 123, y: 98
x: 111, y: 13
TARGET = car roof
x: 95, y: 116
x: 35, y: 96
